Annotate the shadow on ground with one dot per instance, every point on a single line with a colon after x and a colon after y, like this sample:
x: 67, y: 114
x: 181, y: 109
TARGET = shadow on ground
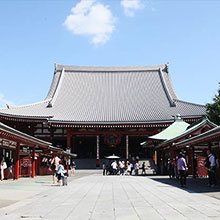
x: 197, y: 185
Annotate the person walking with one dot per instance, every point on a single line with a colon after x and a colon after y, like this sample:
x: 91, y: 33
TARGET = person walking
x: 182, y: 169
x: 114, y: 167
x: 3, y: 166
x: 60, y: 172
x: 73, y: 167
x: 211, y: 168
x: 54, y: 166
x: 143, y: 168
x: 170, y: 169
x: 136, y: 168
x: 10, y: 169
x: 104, y: 168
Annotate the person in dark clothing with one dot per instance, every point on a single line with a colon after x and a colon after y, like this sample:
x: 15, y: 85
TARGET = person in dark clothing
x: 182, y: 169
x: 143, y: 168
x: 104, y: 169
x: 170, y: 169
x: 211, y: 165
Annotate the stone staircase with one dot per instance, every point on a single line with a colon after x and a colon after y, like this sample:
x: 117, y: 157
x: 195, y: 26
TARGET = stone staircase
x: 150, y: 166
x: 91, y: 164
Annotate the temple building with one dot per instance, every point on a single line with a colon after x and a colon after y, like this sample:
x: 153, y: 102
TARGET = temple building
x: 100, y: 111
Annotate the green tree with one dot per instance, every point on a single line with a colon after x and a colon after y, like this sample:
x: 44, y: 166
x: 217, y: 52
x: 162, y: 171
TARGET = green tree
x: 213, y: 109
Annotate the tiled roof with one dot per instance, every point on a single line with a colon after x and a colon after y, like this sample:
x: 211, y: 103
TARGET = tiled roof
x: 33, y: 140
x: 213, y: 133
x: 175, y: 129
x: 109, y: 95
x: 189, y: 130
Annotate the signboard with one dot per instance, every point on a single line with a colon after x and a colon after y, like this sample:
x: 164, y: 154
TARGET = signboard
x: 202, y: 170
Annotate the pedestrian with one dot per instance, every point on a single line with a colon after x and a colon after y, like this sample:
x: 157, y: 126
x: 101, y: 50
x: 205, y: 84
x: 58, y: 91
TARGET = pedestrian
x: 175, y: 167
x: 121, y: 167
x: 60, y: 172
x: 54, y: 166
x: 73, y: 168
x: 104, y: 168
x: 170, y: 169
x: 114, y: 166
x: 211, y: 165
x: 182, y: 169
x: 143, y: 168
x: 217, y: 161
x: 136, y: 168
x: 128, y: 168
x: 10, y: 169
x: 3, y: 166
x: 131, y: 167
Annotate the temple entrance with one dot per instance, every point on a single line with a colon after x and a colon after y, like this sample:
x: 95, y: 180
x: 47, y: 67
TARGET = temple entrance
x: 85, y: 146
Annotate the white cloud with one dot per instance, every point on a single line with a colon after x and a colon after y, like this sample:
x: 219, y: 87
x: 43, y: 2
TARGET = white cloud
x: 130, y: 6
x: 92, y: 19
x: 4, y: 101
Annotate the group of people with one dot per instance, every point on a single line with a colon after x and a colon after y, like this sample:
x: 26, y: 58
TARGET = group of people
x: 178, y: 168
x: 123, y: 168
x: 59, y: 171
x: 6, y: 164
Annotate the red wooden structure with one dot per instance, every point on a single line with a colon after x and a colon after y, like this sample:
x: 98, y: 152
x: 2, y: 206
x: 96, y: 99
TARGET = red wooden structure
x: 12, y: 139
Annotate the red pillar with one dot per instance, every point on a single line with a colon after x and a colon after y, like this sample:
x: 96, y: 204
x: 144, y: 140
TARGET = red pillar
x: 33, y: 163
x: 191, y: 160
x: 38, y: 164
x: 68, y: 138
x: 17, y: 161
x: 193, y: 163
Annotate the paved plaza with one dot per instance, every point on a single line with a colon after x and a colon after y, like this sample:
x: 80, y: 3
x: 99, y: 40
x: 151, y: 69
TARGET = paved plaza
x: 89, y: 195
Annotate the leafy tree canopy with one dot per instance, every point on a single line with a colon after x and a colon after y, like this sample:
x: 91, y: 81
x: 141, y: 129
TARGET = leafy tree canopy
x: 213, y: 109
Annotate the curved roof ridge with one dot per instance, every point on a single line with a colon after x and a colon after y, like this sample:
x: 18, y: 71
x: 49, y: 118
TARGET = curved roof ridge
x: 72, y: 68
x: 58, y: 86
x: 165, y: 86
x: 26, y: 116
x: 191, y: 103
x: 27, y: 105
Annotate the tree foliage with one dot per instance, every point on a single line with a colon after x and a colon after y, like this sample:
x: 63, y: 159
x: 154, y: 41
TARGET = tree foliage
x: 213, y: 109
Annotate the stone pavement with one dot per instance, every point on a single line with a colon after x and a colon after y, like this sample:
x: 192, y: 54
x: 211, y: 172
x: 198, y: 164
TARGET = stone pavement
x: 96, y: 197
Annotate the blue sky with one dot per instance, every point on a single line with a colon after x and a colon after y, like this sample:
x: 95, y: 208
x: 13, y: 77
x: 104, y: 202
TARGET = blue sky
x: 36, y: 34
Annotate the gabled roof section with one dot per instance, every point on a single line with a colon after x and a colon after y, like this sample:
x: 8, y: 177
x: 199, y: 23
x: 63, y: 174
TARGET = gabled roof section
x: 23, y: 136
x: 175, y: 129
x: 190, y: 130
x: 108, y: 95
x: 206, y: 136
x: 35, y: 110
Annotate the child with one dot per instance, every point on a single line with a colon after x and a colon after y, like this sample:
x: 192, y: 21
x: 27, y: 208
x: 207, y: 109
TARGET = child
x: 60, y: 173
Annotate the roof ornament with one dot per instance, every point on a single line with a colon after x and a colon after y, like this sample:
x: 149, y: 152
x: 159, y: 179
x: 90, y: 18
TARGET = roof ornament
x: 178, y: 117
x: 55, y: 67
x: 167, y: 67
x: 49, y: 105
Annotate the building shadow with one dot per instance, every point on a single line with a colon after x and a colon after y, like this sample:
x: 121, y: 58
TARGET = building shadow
x: 193, y: 185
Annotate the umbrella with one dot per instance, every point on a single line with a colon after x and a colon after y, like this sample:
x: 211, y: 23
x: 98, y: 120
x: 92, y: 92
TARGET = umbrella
x: 112, y: 157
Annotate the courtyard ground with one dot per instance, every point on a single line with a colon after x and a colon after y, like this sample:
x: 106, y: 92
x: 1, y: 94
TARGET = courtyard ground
x: 89, y: 195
